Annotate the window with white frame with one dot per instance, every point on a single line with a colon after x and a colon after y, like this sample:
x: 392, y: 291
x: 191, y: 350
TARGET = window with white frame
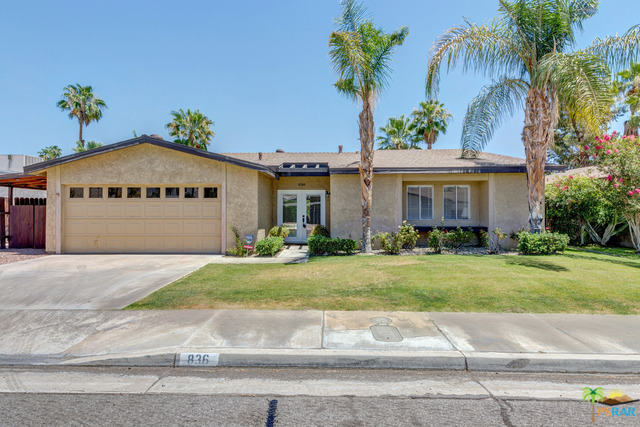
x: 419, y: 202
x: 456, y: 201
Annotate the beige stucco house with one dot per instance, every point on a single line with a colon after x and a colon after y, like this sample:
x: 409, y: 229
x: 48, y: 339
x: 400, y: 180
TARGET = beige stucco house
x: 146, y: 195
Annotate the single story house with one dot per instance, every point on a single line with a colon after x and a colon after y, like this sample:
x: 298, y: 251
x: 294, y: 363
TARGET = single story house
x: 146, y: 195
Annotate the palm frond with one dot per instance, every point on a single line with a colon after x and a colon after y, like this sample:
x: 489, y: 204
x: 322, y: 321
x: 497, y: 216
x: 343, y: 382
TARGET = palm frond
x: 346, y: 54
x: 487, y: 111
x: 581, y: 83
x: 618, y: 51
x: 353, y: 14
x: 380, y: 68
x: 487, y: 49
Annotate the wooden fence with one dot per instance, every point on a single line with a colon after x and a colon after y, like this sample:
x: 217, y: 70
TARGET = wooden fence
x: 23, y: 224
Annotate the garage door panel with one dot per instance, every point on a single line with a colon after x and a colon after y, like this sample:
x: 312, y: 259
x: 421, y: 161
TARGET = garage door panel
x: 152, y: 210
x: 133, y: 210
x: 133, y: 226
x: 76, y: 211
x: 114, y: 211
x: 192, y: 227
x: 95, y: 211
x: 172, y: 227
x: 141, y: 225
x: 152, y: 227
x: 96, y: 227
x: 115, y: 227
x: 212, y: 210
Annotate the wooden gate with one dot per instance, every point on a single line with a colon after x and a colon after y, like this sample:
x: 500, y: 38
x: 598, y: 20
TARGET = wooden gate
x: 27, y: 223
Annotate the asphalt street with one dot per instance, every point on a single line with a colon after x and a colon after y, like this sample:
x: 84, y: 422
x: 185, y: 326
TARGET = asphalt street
x: 301, y: 397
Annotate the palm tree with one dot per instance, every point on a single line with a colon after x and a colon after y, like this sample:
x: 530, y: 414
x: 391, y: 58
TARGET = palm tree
x: 430, y: 119
x: 191, y: 128
x: 398, y: 134
x: 82, y: 104
x: 360, y: 54
x: 51, y: 152
x: 526, y: 52
x: 90, y: 145
x: 593, y: 395
x: 628, y: 86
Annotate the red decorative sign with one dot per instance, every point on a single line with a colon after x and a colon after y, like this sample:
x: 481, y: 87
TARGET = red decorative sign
x: 248, y: 247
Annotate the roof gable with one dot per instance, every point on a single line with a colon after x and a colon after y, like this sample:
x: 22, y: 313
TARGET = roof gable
x: 144, y: 139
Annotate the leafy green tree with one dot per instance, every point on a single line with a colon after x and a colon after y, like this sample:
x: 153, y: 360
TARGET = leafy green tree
x: 82, y: 104
x: 361, y: 55
x: 430, y: 120
x: 397, y: 134
x: 593, y: 395
x: 90, y: 145
x: 51, y: 152
x: 628, y: 87
x: 527, y: 53
x: 191, y: 128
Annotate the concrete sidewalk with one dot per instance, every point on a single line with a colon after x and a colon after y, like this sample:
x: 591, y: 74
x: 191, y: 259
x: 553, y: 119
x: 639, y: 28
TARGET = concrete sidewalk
x: 461, y: 341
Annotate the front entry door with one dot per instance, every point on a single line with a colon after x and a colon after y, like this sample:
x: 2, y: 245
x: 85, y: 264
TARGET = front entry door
x: 300, y: 212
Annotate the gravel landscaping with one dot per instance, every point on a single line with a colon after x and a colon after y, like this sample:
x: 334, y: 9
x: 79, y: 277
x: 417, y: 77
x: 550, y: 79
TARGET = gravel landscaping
x: 14, y: 255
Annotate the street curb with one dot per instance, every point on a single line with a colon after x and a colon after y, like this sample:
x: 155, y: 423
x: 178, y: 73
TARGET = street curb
x: 358, y: 359
x: 553, y: 362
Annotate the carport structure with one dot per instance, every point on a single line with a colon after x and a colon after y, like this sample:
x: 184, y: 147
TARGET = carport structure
x: 22, y: 220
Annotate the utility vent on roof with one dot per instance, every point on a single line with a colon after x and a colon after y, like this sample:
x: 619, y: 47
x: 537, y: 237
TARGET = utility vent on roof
x: 305, y: 165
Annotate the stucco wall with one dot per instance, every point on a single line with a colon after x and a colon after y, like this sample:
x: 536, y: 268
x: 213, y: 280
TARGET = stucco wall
x: 385, y: 203
x: 511, y: 203
x: 345, y: 207
x: 242, y: 202
x: 265, y: 205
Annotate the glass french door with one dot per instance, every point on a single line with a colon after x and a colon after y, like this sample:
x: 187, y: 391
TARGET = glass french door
x: 300, y: 211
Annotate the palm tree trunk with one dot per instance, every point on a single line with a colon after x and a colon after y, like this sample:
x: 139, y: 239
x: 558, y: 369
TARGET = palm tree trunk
x: 80, y: 136
x: 427, y: 140
x: 366, y: 170
x: 537, y: 120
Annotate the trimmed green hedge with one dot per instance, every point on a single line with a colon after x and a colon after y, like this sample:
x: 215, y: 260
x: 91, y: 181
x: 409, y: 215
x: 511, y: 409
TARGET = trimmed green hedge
x: 542, y: 244
x: 269, y: 246
x: 320, y: 245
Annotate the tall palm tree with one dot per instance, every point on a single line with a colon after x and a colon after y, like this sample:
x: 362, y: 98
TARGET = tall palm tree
x: 628, y: 85
x: 361, y: 56
x: 593, y: 395
x: 191, y: 128
x: 397, y: 134
x: 429, y: 120
x: 526, y: 51
x: 82, y: 104
x: 51, y: 152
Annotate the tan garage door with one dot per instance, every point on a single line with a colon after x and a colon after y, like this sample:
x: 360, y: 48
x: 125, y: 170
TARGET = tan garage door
x: 142, y: 219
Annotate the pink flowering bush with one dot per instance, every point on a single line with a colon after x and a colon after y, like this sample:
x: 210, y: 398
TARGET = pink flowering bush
x: 619, y: 157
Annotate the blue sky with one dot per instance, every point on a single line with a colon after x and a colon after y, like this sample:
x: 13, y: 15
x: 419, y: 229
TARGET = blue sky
x: 259, y: 69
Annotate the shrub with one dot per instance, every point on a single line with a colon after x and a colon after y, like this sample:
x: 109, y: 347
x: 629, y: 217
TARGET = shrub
x: 495, y: 241
x: 320, y: 230
x: 437, y: 240
x: 238, y: 249
x: 407, y: 235
x: 542, y: 244
x: 320, y: 245
x: 279, y: 231
x: 391, y: 242
x: 457, y: 238
x: 269, y: 246
x: 483, y: 238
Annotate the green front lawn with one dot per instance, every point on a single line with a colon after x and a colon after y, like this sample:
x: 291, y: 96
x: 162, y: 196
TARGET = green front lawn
x: 611, y: 250
x: 576, y: 282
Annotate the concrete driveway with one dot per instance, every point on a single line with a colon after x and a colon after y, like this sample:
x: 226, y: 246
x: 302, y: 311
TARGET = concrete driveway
x: 90, y: 281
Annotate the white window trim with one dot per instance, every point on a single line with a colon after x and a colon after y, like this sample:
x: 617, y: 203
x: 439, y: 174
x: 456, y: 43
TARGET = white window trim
x: 444, y: 189
x: 420, y: 187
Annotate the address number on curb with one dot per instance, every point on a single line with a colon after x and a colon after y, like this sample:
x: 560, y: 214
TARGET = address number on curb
x: 198, y: 359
